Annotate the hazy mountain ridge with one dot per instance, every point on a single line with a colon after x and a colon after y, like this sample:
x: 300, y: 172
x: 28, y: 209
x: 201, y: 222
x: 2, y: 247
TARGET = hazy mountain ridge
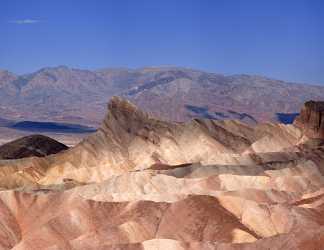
x: 70, y: 95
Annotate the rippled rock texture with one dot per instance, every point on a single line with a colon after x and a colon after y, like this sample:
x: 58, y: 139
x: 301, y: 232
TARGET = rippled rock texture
x: 142, y: 183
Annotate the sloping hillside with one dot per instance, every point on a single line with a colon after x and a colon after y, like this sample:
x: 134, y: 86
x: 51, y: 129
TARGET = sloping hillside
x: 63, y: 94
x: 142, y: 183
x: 33, y: 145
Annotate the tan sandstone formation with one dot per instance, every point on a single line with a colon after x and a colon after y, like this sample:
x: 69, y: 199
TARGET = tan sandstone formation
x: 142, y: 183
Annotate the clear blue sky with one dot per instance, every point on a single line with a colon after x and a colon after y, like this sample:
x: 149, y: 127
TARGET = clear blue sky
x: 283, y: 39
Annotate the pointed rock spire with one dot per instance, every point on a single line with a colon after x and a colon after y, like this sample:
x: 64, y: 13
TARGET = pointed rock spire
x: 311, y: 119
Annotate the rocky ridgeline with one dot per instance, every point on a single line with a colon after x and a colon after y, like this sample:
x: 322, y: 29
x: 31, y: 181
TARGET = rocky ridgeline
x: 311, y: 120
x: 142, y: 183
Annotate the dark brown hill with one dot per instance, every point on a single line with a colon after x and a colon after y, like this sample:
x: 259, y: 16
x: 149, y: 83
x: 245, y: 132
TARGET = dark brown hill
x: 311, y: 119
x: 34, y: 145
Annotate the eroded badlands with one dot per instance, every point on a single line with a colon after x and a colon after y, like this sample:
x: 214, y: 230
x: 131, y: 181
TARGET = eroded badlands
x: 142, y: 183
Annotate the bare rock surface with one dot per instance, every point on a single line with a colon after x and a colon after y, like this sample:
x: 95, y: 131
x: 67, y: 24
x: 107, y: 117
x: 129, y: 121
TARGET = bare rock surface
x: 311, y: 119
x: 33, y: 145
x: 143, y: 183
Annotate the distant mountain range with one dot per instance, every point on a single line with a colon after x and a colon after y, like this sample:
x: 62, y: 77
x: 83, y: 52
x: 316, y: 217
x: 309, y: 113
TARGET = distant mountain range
x: 62, y: 94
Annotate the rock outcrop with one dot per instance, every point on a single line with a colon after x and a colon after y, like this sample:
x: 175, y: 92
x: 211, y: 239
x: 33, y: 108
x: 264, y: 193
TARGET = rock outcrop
x: 130, y: 139
x: 33, y: 145
x: 142, y: 183
x: 311, y: 120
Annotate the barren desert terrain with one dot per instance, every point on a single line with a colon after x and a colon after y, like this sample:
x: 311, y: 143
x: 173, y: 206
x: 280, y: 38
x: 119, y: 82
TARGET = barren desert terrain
x: 143, y: 183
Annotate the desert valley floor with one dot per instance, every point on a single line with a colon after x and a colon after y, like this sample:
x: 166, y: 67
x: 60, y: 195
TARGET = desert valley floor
x: 143, y: 183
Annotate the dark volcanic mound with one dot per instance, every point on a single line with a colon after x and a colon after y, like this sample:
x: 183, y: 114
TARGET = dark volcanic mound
x: 33, y: 145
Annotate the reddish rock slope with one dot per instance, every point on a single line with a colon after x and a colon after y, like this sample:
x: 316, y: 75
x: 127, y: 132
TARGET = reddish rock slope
x: 142, y: 183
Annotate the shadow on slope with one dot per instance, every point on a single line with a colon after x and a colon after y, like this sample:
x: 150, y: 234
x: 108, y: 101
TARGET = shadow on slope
x: 204, y: 112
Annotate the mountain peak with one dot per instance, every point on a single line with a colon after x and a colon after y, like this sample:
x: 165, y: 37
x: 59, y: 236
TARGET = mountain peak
x: 117, y: 103
x: 315, y: 105
x: 55, y: 68
x: 311, y: 119
x: 123, y: 114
